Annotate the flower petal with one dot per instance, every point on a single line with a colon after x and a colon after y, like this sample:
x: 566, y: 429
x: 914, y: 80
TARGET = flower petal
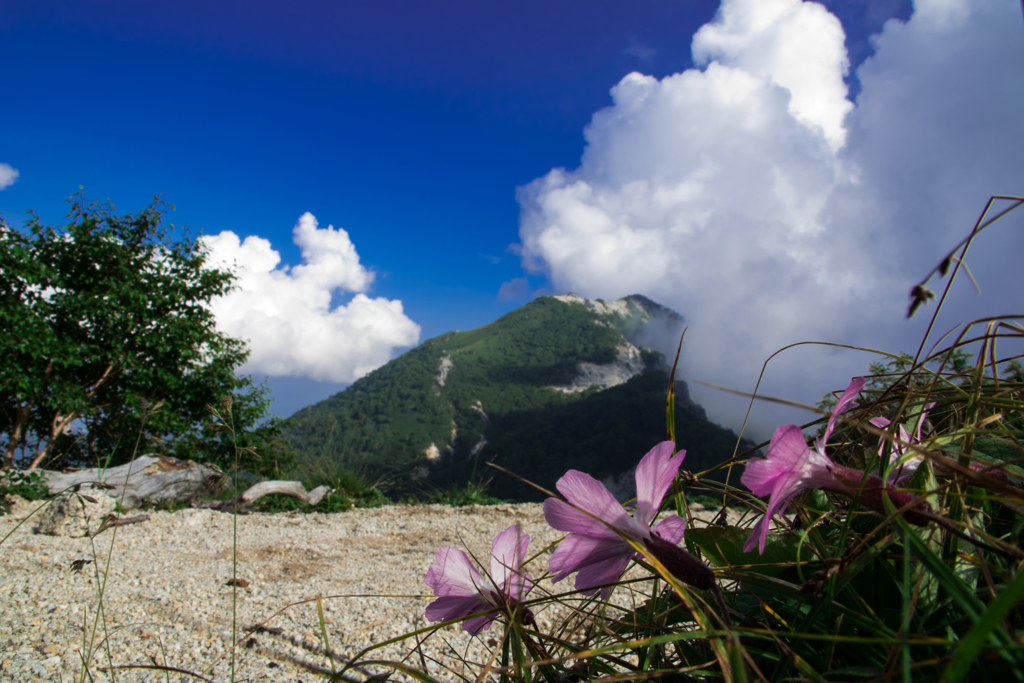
x: 508, y: 552
x: 654, y: 476
x: 455, y: 575
x: 880, y: 422
x: 587, y: 493
x: 670, y: 529
x: 759, y: 535
x: 904, y: 439
x: 789, y: 467
x: 855, y: 387
x: 920, y: 421
x: 453, y: 606
x: 786, y: 488
x: 905, y: 460
x: 519, y: 585
x: 759, y: 476
x: 786, y: 452
x: 564, y: 517
x: 909, y: 459
x: 607, y: 570
x: 576, y: 552
x: 477, y: 624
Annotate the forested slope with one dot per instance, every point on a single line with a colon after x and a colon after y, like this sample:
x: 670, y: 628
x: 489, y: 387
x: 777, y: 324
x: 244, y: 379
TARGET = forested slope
x: 435, y: 415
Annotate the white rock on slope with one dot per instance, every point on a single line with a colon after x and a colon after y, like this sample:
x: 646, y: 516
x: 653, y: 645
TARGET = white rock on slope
x: 628, y: 364
x: 442, y: 370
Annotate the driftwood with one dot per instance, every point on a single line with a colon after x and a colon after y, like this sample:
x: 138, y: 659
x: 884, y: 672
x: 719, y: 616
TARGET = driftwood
x: 150, y: 477
x: 154, y: 477
x: 117, y: 520
x: 293, y: 489
x: 125, y: 521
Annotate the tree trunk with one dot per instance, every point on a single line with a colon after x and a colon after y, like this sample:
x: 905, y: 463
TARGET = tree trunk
x: 59, y: 422
x: 20, y: 418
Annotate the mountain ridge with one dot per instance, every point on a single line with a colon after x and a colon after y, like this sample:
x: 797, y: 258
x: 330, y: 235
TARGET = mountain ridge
x: 554, y: 384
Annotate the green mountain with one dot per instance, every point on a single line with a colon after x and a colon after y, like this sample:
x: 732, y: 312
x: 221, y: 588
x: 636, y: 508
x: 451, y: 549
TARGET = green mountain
x: 557, y: 384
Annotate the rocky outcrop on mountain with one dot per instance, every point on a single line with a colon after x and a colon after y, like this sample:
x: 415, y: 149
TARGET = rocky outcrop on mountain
x: 635, y: 310
x: 475, y: 450
x: 442, y: 370
x: 620, y: 307
x: 628, y: 364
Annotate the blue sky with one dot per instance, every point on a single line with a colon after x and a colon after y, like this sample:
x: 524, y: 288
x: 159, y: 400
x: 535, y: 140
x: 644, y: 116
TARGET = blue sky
x: 784, y: 176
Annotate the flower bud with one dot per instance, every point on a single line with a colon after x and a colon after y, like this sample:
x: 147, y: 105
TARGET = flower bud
x: 680, y: 563
x: 870, y: 495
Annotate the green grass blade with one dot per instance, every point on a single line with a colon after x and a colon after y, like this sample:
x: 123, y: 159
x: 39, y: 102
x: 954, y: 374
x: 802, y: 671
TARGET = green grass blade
x: 970, y: 646
x: 323, y: 633
x: 807, y: 670
x: 737, y: 667
x: 670, y: 410
x: 954, y: 585
x: 522, y: 668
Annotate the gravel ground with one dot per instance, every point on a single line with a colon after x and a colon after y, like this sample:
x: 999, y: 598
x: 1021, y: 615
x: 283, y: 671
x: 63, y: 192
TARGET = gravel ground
x: 166, y: 598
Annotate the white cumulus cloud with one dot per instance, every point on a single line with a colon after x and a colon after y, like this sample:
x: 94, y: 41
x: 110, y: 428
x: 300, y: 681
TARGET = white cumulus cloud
x: 751, y: 194
x: 285, y: 313
x: 8, y: 174
x: 796, y: 45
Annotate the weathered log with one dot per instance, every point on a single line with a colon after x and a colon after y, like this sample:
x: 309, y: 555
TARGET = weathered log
x: 293, y: 489
x: 288, y: 488
x: 155, y: 477
x: 117, y: 520
x: 125, y: 521
x: 150, y: 477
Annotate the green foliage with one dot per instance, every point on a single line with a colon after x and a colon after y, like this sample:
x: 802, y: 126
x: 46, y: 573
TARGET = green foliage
x: 605, y: 435
x: 332, y: 502
x: 497, y: 401
x: 106, y: 334
x: 704, y: 500
x: 471, y: 493
x: 352, y: 489
x: 27, y: 485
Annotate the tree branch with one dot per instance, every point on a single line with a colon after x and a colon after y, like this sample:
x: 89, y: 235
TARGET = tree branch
x: 59, y: 423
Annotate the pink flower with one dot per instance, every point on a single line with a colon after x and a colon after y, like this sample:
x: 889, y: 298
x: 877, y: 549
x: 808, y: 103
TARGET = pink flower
x: 900, y: 446
x: 790, y: 466
x: 462, y: 591
x: 911, y: 459
x: 597, y: 545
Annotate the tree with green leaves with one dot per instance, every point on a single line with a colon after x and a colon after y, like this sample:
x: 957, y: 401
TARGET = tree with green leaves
x: 109, y: 348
